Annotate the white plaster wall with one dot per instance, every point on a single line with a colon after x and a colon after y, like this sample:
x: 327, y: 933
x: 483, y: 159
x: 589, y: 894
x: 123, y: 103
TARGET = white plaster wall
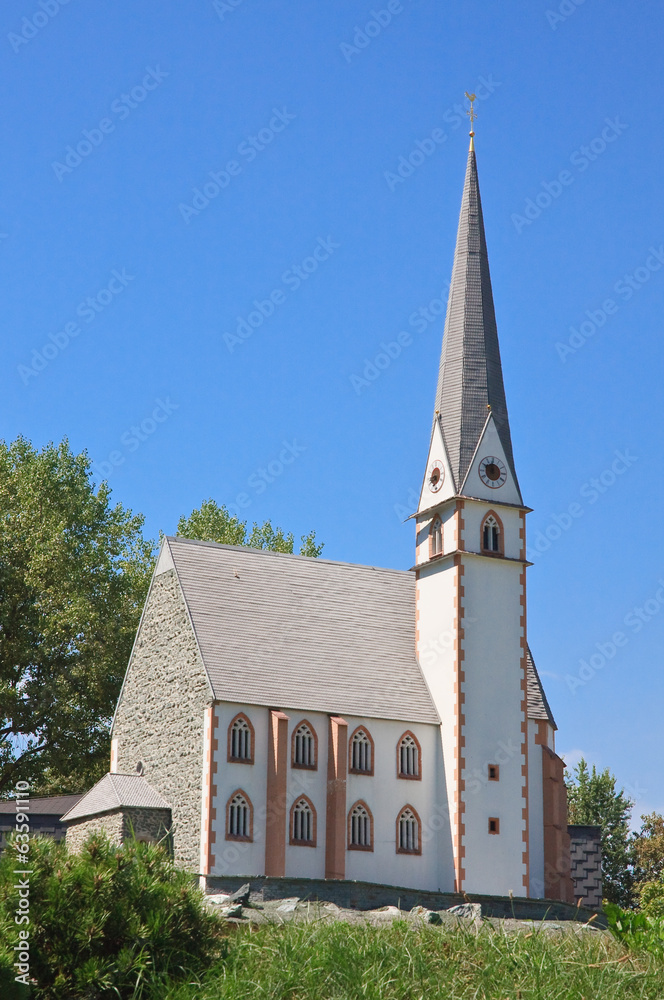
x: 474, y: 487
x: 385, y: 794
x: 535, y: 813
x: 437, y: 453
x: 308, y: 862
x: 435, y: 649
x: 473, y: 517
x: 493, y: 717
x: 238, y: 857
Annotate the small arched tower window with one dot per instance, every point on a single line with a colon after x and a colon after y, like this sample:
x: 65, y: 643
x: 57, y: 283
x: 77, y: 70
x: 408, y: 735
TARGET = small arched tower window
x: 360, y: 828
x: 436, y: 538
x: 492, y: 535
x: 241, y: 740
x: 304, y: 747
x: 361, y: 752
x: 409, y: 837
x: 239, y: 817
x: 303, y: 823
x: 408, y: 757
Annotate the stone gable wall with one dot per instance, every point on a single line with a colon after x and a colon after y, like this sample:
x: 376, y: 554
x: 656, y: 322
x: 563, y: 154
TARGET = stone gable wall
x: 121, y: 825
x: 160, y: 716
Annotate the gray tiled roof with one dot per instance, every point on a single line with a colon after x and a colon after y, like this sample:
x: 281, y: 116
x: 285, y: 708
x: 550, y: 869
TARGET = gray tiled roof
x: 48, y: 805
x: 116, y: 791
x: 470, y: 374
x: 292, y: 632
x: 538, y: 706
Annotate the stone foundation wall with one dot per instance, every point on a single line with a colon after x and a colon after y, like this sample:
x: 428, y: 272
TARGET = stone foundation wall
x: 160, y: 715
x: 369, y: 896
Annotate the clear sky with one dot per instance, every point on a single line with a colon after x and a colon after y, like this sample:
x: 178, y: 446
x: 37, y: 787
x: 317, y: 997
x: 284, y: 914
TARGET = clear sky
x: 206, y: 242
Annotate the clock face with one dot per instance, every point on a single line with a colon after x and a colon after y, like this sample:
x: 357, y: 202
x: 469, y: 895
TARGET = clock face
x: 436, y: 476
x: 493, y: 472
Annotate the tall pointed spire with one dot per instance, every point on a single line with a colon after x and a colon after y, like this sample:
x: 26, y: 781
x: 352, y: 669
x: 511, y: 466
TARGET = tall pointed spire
x: 470, y: 381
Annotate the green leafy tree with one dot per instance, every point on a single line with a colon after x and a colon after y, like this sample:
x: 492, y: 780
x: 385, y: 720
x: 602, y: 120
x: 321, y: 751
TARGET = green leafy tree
x: 74, y: 572
x: 594, y: 801
x: 648, y: 847
x: 214, y: 523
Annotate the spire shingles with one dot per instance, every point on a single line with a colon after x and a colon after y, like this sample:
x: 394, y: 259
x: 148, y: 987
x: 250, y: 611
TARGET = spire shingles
x: 471, y: 376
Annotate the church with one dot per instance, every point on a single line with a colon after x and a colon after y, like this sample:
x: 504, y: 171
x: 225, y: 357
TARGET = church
x: 305, y: 718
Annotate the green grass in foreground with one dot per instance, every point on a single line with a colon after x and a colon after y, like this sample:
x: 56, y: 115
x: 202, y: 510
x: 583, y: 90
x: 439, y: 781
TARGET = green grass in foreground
x: 339, y: 962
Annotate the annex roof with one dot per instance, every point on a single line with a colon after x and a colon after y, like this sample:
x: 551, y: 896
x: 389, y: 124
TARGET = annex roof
x: 538, y: 706
x: 299, y: 633
x: 47, y: 805
x: 116, y: 791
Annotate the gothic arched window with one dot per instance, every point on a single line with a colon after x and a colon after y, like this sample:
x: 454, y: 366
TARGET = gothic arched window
x: 408, y: 757
x: 436, y: 538
x: 239, y: 817
x: 303, y: 823
x: 409, y: 836
x: 241, y: 740
x: 492, y: 535
x: 360, y: 828
x: 304, y: 747
x: 361, y: 752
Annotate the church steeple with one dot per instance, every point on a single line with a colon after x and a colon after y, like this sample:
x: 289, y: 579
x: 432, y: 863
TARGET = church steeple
x: 470, y: 382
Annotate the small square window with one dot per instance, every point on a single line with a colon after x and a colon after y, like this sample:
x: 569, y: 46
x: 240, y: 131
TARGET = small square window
x: 494, y: 772
x: 494, y: 825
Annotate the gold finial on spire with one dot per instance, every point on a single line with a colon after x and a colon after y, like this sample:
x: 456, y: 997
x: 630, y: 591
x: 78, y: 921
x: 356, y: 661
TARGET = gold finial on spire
x: 472, y: 114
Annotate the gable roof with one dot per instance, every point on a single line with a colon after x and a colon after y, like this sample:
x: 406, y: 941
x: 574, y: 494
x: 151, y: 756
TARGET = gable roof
x: 116, y: 791
x: 470, y: 377
x: 293, y: 632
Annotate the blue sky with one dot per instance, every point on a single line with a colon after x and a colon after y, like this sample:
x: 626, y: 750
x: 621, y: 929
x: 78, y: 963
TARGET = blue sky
x: 174, y: 172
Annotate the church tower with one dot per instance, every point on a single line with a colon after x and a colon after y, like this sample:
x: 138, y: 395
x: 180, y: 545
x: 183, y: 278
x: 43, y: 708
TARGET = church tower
x: 471, y: 583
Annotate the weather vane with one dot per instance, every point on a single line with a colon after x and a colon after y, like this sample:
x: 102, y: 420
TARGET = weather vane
x: 472, y: 114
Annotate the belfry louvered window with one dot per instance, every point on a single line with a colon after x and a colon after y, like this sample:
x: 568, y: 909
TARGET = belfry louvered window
x: 436, y: 537
x: 408, y: 757
x: 408, y: 832
x: 304, y: 747
x: 239, y: 818
x: 360, y: 830
x: 303, y: 823
x: 491, y: 535
x: 361, y: 752
x: 241, y: 740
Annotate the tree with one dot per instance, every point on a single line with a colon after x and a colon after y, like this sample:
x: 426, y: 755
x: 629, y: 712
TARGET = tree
x: 214, y: 523
x: 593, y: 801
x: 74, y: 572
x: 648, y: 848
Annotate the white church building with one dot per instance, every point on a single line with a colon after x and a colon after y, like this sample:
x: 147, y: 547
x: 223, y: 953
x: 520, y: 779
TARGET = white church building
x: 316, y: 719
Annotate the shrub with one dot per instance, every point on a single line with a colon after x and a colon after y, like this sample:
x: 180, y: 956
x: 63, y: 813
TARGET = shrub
x: 110, y: 922
x: 637, y: 931
x: 651, y: 897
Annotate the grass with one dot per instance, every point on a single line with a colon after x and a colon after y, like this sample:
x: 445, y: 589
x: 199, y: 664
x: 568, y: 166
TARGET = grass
x: 317, y: 961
